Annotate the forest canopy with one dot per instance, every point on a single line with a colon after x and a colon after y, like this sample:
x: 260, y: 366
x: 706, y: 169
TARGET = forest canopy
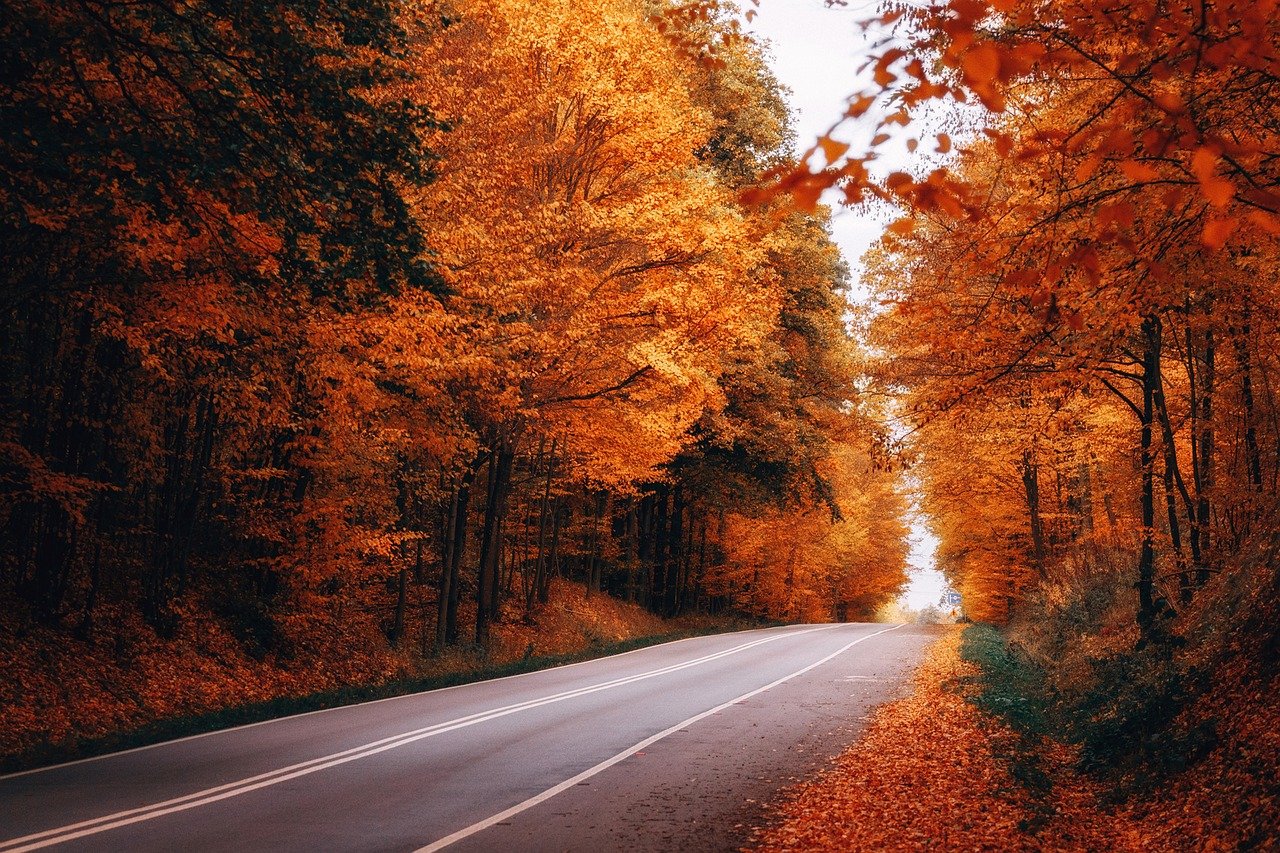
x: 328, y: 317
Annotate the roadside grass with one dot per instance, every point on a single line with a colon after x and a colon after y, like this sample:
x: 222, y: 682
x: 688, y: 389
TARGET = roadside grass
x: 256, y: 712
x: 1122, y: 711
x: 1012, y: 687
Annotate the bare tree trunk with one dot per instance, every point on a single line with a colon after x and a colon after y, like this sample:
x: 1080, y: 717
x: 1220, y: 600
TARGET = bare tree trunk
x: 1253, y: 458
x: 487, y: 591
x: 553, y: 557
x: 1173, y: 474
x: 447, y: 628
x: 675, y: 545
x: 1031, y: 490
x: 629, y: 535
x: 402, y: 592
x: 1146, y: 562
x: 544, y: 505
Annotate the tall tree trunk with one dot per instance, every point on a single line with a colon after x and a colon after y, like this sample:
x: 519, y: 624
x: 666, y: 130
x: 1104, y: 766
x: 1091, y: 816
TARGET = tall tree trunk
x: 1253, y: 458
x: 675, y: 545
x: 1175, y: 532
x: 553, y: 555
x: 661, y: 506
x: 644, y: 548
x: 544, y: 508
x: 1031, y: 491
x: 1146, y: 562
x: 1200, y: 384
x: 402, y: 596
x: 447, y: 629
x: 629, y: 543
x: 1084, y: 482
x: 491, y: 541
x: 1173, y: 473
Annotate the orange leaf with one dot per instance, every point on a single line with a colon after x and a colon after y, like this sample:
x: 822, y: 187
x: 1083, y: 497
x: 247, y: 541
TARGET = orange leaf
x: 1219, y: 191
x: 1087, y: 168
x: 1268, y: 222
x: 1121, y: 213
x: 805, y: 195
x: 1204, y: 164
x: 982, y: 63
x: 902, y: 227
x: 1217, y: 231
x: 832, y: 149
x: 1170, y: 102
x: 944, y: 143
x: 859, y: 106
x: 1138, y: 172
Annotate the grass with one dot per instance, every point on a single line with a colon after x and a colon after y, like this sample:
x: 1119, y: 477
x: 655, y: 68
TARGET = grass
x: 1124, y: 717
x: 1011, y: 687
x: 239, y: 715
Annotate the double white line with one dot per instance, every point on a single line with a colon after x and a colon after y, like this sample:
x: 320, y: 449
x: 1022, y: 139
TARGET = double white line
x: 70, y: 832
x: 478, y: 826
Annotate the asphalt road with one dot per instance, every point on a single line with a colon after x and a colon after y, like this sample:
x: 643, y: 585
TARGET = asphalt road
x: 672, y: 747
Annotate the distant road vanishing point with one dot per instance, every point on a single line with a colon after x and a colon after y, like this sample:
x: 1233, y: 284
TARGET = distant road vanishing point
x: 672, y: 747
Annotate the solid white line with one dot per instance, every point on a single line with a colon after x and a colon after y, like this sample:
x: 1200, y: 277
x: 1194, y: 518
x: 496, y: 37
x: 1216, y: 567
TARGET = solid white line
x: 629, y: 751
x: 243, y: 726
x: 58, y: 835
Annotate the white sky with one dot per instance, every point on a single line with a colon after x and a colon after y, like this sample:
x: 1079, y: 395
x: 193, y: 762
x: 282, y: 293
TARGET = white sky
x: 816, y: 53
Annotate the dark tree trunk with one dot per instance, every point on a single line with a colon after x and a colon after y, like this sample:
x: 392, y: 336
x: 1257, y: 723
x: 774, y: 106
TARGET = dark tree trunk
x: 1146, y: 562
x: 491, y: 540
x: 1253, y: 458
x: 402, y: 597
x: 447, y: 627
x: 553, y: 556
x: 1031, y: 491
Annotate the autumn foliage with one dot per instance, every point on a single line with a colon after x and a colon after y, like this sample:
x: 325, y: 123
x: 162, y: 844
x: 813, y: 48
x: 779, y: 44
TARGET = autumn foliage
x: 934, y: 771
x: 1078, y: 308
x: 354, y: 324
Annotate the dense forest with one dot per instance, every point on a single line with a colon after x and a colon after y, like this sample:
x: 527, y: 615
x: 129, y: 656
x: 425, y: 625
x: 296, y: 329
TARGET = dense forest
x: 1081, y: 304
x: 343, y: 337
x: 335, y: 331
x: 1078, y: 318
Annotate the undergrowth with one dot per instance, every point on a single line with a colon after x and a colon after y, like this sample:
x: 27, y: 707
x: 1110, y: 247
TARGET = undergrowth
x: 1126, y: 717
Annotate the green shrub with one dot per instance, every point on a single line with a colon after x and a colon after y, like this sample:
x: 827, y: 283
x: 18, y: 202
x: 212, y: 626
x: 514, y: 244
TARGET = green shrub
x: 1011, y: 686
x: 1127, y: 721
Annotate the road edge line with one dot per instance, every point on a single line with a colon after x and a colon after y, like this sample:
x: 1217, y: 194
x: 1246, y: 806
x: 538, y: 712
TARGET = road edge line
x: 33, y: 770
x: 560, y: 788
x: 94, y: 826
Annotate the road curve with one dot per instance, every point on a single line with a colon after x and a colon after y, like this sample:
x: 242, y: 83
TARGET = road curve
x: 671, y: 747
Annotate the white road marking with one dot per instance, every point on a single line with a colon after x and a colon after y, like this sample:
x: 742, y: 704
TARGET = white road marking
x: 501, y: 816
x: 243, y: 726
x: 70, y: 832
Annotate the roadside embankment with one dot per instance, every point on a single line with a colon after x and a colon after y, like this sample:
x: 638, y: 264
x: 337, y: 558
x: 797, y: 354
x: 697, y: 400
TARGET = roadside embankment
x: 969, y: 761
x: 125, y: 686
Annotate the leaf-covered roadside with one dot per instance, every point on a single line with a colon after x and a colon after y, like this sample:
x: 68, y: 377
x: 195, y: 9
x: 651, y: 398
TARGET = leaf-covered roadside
x: 73, y: 700
x: 935, y: 772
